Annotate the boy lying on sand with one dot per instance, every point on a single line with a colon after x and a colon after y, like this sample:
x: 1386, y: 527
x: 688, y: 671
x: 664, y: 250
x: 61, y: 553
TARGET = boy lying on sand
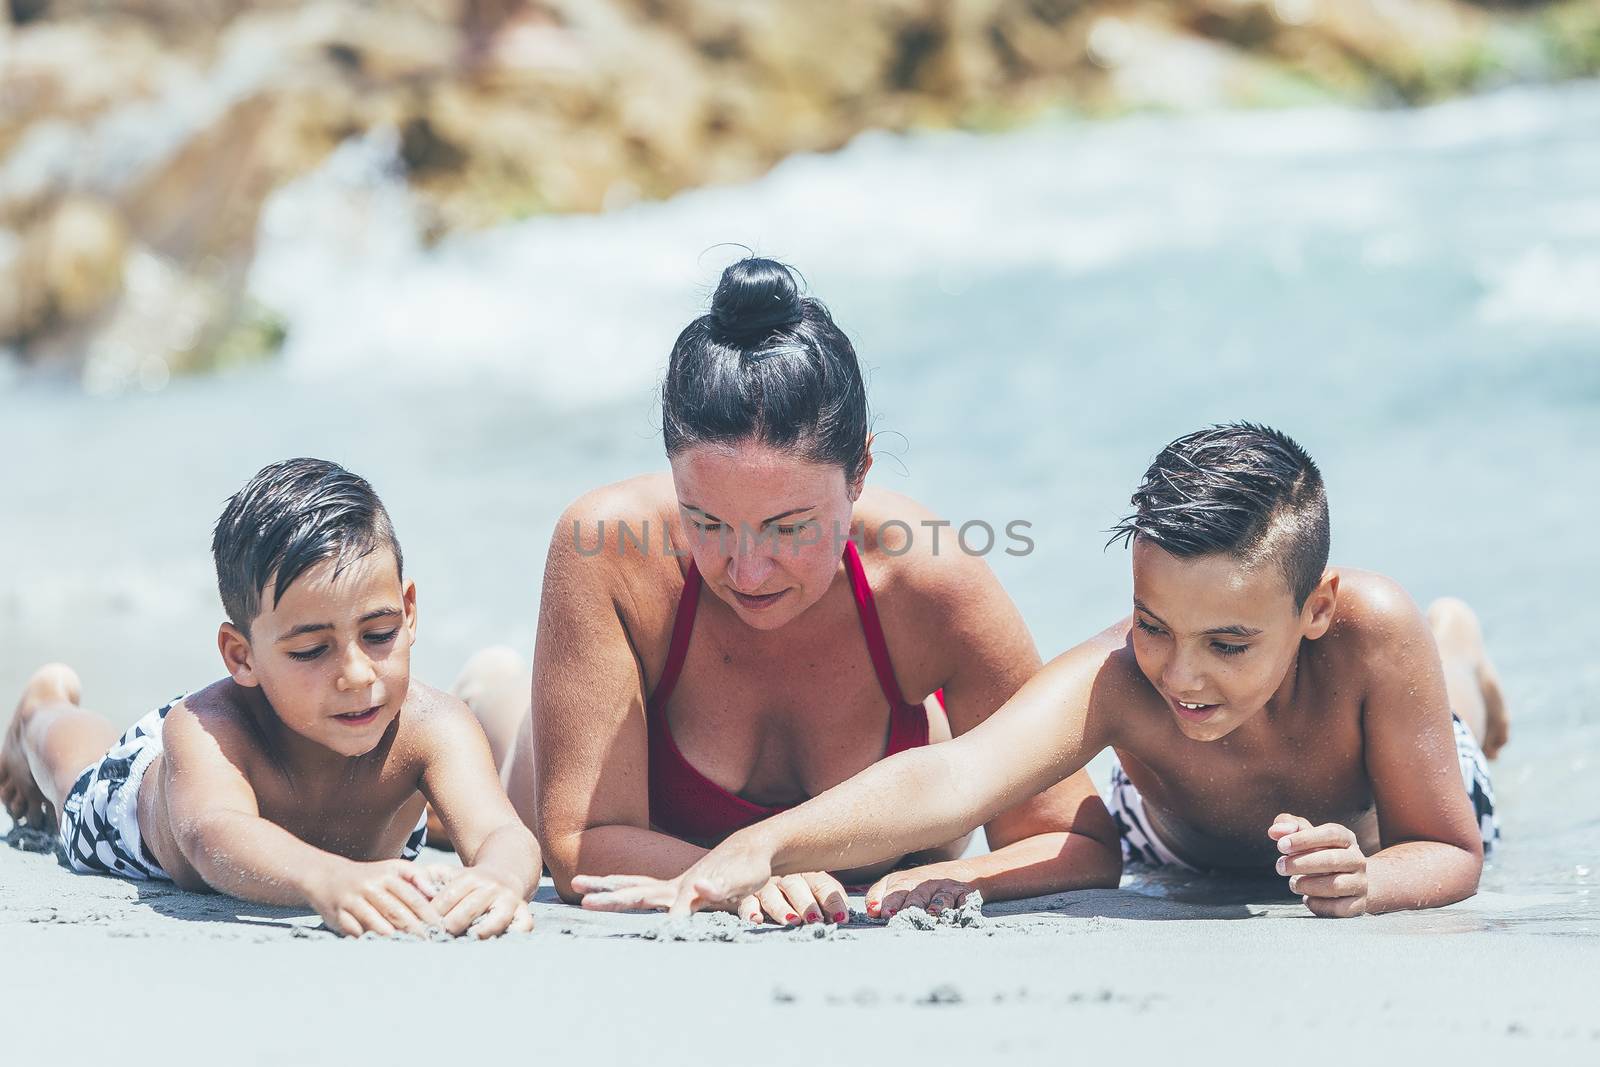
x: 299, y: 778
x: 1268, y: 712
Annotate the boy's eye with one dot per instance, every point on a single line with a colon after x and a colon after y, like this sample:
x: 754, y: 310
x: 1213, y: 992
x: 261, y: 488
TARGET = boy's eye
x: 308, y: 654
x: 790, y: 531
x: 383, y: 638
x: 1147, y: 628
x: 1229, y: 650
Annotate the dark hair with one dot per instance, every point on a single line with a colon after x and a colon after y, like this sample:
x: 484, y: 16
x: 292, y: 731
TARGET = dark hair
x: 767, y: 364
x: 1243, y: 489
x: 288, y: 518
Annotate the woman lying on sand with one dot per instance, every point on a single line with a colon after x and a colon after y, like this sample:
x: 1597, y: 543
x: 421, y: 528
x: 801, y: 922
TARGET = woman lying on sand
x: 714, y: 647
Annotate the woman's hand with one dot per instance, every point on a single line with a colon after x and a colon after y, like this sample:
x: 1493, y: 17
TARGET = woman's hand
x: 798, y: 898
x: 933, y: 888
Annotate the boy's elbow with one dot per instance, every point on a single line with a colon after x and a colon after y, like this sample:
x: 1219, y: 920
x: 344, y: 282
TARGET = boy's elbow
x: 202, y: 840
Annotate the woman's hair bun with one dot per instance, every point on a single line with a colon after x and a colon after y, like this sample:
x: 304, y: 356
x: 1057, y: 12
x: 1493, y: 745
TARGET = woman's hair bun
x: 755, y: 296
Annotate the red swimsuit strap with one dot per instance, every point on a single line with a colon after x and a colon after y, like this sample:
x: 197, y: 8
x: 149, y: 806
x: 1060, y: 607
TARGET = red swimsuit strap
x: 867, y: 609
x: 682, y: 627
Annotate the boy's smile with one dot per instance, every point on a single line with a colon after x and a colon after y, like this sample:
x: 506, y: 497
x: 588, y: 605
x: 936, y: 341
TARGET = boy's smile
x: 1214, y: 636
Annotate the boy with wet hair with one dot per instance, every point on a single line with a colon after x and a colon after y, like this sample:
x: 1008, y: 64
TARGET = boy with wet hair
x: 302, y: 777
x: 1268, y: 713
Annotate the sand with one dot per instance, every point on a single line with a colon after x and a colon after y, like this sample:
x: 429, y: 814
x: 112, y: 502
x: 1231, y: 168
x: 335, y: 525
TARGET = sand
x: 1158, y: 970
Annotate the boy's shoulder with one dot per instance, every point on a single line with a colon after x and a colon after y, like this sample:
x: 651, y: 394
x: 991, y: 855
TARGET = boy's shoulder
x: 430, y: 717
x: 1373, y: 609
x: 1375, y: 625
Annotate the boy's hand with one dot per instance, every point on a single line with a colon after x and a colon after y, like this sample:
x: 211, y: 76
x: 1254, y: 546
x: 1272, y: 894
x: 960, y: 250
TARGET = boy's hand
x: 1325, y: 865
x: 932, y: 888
x: 383, y: 898
x: 477, y: 902
x: 722, y: 879
x: 786, y: 900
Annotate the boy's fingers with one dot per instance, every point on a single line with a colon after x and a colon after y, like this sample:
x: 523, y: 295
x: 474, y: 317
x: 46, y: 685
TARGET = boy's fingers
x: 431, y: 878
x: 395, y: 910
x: 1336, y: 907
x: 346, y: 924
x: 367, y: 916
x: 605, y: 883
x: 452, y: 894
x: 493, y: 922
x: 617, y: 900
x: 691, y: 897
x: 1328, y: 885
x: 1286, y: 824
x: 474, y: 904
x: 409, y: 895
x: 522, y: 919
x: 1323, y: 861
x: 1328, y: 835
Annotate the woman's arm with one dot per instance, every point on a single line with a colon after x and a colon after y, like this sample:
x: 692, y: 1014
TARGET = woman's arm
x: 910, y: 801
x: 974, y: 637
x: 591, y: 804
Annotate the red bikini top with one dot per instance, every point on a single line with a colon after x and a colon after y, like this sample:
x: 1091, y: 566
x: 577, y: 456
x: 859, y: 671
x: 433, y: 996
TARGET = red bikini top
x: 690, y: 806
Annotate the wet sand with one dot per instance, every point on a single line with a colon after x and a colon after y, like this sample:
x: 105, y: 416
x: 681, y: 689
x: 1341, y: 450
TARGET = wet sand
x: 1154, y: 971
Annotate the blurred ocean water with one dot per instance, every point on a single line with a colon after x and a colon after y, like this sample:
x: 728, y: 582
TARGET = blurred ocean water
x: 1414, y: 295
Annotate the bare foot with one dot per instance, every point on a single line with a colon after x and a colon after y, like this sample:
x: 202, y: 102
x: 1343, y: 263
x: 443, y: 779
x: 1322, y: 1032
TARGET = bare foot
x: 52, y: 684
x: 1470, y: 677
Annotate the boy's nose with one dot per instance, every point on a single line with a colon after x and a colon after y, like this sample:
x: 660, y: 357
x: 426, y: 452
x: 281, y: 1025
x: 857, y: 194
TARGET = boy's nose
x: 1179, y: 677
x: 356, y: 672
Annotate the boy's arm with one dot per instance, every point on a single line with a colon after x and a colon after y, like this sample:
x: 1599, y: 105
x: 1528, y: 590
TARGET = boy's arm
x: 500, y: 854
x: 211, y: 808
x: 1432, y: 852
x: 910, y: 801
x: 1059, y: 839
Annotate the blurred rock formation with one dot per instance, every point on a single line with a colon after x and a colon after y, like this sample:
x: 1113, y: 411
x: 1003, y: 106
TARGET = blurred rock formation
x: 139, y: 138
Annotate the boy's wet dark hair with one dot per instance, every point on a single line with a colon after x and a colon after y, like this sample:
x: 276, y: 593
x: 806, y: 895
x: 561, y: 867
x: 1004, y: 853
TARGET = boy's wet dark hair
x: 288, y: 518
x: 767, y: 364
x: 1245, y: 490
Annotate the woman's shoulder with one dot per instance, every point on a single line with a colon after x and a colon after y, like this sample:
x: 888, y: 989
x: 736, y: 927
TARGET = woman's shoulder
x: 919, y: 563
x: 619, y: 547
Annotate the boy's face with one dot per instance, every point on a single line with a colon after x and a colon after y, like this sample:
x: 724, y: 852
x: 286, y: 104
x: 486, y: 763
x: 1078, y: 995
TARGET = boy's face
x: 333, y: 657
x: 1216, y: 639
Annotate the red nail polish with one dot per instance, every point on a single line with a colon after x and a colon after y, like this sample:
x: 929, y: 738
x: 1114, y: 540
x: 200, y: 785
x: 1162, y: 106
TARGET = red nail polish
x: 793, y: 917
x: 840, y: 916
x: 812, y: 916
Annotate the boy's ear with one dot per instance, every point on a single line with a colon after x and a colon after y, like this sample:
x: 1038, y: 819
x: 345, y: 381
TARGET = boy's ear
x: 236, y: 654
x: 408, y: 604
x: 1317, y: 615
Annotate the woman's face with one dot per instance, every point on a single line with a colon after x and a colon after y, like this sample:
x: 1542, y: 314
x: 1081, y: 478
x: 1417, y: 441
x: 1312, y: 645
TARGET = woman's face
x: 766, y: 527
